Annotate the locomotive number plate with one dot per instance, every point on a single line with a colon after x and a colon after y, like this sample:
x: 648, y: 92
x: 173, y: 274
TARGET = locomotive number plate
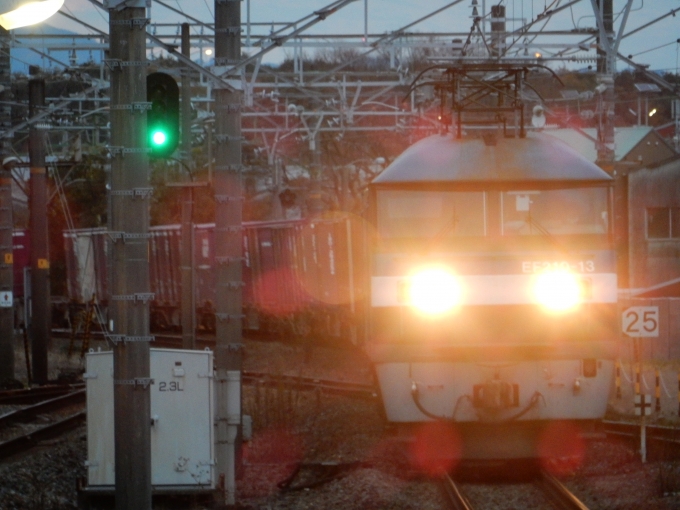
x: 578, y: 266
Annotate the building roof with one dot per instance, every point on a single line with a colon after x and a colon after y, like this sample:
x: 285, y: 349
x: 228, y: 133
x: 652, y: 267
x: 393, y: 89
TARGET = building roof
x: 625, y: 138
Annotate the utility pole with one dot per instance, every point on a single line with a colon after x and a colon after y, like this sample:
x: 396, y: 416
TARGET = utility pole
x: 228, y: 249
x: 187, y: 255
x: 315, y: 202
x: 6, y: 276
x: 606, y: 68
x: 40, y: 262
x: 129, y: 232
x: 6, y: 221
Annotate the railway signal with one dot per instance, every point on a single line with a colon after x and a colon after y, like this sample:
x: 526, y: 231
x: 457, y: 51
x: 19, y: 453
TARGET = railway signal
x: 162, y: 120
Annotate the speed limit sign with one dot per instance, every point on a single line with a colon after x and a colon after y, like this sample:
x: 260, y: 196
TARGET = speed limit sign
x: 639, y: 321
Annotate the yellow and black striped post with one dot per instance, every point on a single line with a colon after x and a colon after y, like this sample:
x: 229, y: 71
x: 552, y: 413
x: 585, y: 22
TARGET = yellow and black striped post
x: 657, y: 391
x: 618, y: 378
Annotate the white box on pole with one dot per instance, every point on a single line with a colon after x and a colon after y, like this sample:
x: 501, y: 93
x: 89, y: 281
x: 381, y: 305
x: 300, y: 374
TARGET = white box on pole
x: 182, y: 413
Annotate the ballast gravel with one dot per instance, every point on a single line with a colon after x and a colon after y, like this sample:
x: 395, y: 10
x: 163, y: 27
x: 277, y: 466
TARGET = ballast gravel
x: 311, y: 450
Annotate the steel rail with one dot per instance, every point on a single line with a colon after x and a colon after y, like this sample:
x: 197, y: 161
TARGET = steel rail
x: 29, y: 413
x: 559, y: 494
x: 632, y: 430
x: 356, y: 390
x: 310, y: 383
x: 455, y: 499
x: 27, y: 441
x: 33, y: 395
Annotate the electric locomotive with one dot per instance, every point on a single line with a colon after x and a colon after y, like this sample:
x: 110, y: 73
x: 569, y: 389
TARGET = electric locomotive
x: 493, y: 292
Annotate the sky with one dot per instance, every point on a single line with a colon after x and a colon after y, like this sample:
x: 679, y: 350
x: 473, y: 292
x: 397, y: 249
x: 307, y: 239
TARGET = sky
x: 656, y: 46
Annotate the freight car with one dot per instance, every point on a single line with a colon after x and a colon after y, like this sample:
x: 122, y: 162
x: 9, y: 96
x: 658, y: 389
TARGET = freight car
x: 21, y: 295
x: 493, y: 294
x: 300, y: 277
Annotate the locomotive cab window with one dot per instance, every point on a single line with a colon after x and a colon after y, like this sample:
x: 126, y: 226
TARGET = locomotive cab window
x: 430, y: 214
x: 555, y: 212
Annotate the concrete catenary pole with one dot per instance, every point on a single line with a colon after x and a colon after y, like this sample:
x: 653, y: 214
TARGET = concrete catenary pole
x: 6, y: 276
x: 187, y: 258
x: 129, y: 278
x: 40, y: 262
x: 606, y: 69
x: 6, y: 220
x: 228, y: 249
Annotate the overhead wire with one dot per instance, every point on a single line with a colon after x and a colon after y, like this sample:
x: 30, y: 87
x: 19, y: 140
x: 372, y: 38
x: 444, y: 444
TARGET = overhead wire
x: 3, y: 52
x: 616, y: 17
x: 70, y: 224
x: 653, y: 49
x: 59, y: 183
x: 532, y: 39
x: 209, y: 10
x: 98, y: 11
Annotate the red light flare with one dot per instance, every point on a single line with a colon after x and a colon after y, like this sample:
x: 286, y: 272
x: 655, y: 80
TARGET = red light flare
x: 276, y: 452
x: 279, y: 292
x: 327, y: 276
x: 561, y: 448
x: 436, y: 449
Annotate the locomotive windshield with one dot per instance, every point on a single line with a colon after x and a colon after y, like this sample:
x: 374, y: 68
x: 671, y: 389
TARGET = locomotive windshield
x: 555, y: 212
x: 439, y: 215
x: 431, y: 214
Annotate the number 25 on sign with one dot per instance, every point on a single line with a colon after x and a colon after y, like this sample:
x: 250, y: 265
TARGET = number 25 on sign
x: 641, y: 321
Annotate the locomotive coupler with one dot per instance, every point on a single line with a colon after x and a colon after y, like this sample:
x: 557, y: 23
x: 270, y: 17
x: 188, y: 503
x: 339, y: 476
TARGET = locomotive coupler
x: 495, y: 395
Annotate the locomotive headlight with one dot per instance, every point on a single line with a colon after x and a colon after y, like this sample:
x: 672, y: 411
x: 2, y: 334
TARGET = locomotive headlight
x: 433, y: 291
x: 558, y: 291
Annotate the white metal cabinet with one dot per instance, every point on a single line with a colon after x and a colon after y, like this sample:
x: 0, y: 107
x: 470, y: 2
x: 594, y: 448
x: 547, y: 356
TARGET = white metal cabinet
x: 182, y: 446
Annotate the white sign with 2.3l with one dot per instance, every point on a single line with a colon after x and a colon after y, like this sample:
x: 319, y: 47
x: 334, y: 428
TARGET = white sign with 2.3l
x: 641, y: 321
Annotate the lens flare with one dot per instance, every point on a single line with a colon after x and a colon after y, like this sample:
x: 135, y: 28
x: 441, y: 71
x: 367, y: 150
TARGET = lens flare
x: 561, y: 448
x: 434, y: 291
x: 280, y: 450
x: 30, y: 13
x: 436, y: 449
x: 558, y: 291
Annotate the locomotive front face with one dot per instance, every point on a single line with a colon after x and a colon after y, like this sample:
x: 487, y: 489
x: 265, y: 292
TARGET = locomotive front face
x: 493, y: 301
x: 440, y: 250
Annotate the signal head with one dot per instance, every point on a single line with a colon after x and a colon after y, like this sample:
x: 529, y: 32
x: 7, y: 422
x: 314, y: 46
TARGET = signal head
x: 162, y: 121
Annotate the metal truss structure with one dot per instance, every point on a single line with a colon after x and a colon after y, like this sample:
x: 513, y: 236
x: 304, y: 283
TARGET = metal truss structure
x: 370, y: 90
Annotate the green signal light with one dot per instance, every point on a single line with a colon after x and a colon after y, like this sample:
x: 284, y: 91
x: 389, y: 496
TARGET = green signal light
x: 162, y: 120
x: 159, y: 138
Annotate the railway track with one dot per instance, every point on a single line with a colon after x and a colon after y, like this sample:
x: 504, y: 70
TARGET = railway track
x: 171, y: 340
x: 453, y: 495
x: 297, y: 382
x: 24, y: 442
x: 34, y: 395
x: 310, y: 383
x: 546, y: 486
x: 558, y: 493
x: 632, y: 431
x: 53, y: 399
x: 33, y: 433
x: 29, y: 413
